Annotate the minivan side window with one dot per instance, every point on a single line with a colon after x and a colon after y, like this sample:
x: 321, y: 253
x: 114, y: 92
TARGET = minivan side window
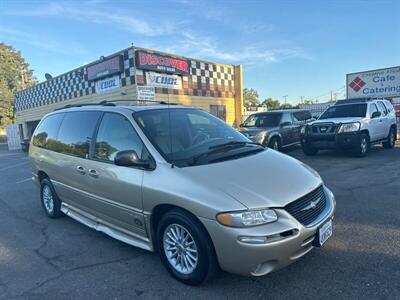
x: 287, y: 117
x: 46, y: 134
x: 76, y: 131
x: 115, y: 134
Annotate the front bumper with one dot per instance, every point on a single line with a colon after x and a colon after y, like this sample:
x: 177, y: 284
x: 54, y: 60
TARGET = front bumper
x: 349, y: 140
x: 289, y: 240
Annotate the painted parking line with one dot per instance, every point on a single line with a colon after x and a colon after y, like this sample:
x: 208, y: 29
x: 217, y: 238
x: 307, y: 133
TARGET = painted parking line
x: 13, y: 166
x: 23, y: 180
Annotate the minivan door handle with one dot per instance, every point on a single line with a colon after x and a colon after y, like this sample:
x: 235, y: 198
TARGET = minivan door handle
x: 81, y: 170
x: 93, y: 173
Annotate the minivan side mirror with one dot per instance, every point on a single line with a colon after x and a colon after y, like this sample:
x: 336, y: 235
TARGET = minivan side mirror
x: 376, y: 114
x: 129, y: 158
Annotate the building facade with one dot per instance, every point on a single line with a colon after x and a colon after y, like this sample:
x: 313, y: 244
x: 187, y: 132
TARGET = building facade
x: 138, y: 75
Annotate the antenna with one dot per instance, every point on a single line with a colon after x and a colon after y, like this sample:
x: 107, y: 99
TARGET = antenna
x: 169, y: 123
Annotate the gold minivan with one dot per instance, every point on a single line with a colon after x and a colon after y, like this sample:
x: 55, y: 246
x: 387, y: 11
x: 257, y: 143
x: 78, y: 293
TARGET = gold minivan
x: 180, y: 181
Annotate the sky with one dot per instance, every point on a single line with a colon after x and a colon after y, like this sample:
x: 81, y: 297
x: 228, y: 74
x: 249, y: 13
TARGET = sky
x: 287, y: 48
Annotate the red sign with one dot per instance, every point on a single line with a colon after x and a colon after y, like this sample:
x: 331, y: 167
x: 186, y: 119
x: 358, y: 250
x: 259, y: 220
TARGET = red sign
x: 105, y: 68
x: 161, y: 63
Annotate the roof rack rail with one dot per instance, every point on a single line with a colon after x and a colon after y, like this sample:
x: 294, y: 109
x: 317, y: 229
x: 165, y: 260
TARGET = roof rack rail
x: 358, y: 100
x: 112, y: 103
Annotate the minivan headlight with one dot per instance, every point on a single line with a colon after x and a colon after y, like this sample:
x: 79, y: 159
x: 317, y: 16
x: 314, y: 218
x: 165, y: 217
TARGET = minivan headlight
x: 349, y: 127
x: 247, y: 218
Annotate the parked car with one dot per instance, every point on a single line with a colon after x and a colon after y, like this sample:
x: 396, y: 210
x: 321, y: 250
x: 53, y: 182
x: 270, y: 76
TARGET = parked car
x: 170, y: 179
x: 353, y: 124
x: 276, y: 129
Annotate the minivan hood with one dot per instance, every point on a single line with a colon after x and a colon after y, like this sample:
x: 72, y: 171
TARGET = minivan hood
x: 266, y: 179
x: 338, y: 120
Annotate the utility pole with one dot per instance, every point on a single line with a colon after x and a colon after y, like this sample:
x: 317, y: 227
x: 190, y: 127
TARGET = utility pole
x: 331, y: 95
x: 301, y: 99
x: 285, y: 97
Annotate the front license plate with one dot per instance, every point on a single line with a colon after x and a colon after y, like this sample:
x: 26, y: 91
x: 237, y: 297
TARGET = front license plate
x: 324, y: 233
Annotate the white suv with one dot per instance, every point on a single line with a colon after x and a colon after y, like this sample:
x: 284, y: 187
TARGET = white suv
x: 352, y: 124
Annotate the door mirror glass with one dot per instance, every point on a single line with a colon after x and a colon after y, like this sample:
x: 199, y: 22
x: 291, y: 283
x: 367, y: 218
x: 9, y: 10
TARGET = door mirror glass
x: 376, y: 114
x: 129, y: 158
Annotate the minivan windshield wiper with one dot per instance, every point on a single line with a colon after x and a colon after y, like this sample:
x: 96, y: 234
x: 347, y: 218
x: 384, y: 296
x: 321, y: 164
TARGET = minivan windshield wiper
x: 225, y: 147
x: 231, y: 144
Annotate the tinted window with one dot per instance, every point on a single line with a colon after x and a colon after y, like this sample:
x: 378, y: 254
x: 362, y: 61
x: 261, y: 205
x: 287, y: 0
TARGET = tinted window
x: 372, y: 109
x: 46, y: 134
x: 263, y: 120
x: 116, y: 134
x: 76, y: 132
x: 302, y: 116
x: 344, y: 111
x: 382, y: 108
x: 287, y: 117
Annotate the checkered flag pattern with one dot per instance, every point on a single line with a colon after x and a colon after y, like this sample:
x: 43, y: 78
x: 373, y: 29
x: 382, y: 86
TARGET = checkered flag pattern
x: 204, y: 79
x: 68, y: 86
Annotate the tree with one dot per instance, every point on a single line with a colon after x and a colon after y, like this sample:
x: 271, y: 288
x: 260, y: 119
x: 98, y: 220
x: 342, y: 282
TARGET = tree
x: 271, y: 104
x: 15, y: 75
x: 250, y: 97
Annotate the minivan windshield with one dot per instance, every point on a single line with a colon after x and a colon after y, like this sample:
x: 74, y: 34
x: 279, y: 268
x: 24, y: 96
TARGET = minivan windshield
x: 345, y: 111
x: 263, y: 120
x: 187, y: 137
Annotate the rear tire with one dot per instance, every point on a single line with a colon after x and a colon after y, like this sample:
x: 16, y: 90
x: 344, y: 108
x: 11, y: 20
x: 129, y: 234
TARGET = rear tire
x: 363, y: 146
x: 275, y: 144
x: 50, y: 201
x: 309, y: 150
x: 391, y: 139
x: 185, y: 248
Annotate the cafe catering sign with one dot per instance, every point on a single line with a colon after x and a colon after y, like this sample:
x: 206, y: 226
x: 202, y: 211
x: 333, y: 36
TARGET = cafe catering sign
x: 161, y: 63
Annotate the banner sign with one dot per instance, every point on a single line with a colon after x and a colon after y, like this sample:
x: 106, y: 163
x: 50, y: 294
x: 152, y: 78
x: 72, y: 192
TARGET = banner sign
x: 107, y: 85
x: 161, y: 63
x: 163, y: 80
x: 146, y: 93
x: 110, y: 66
x: 376, y: 83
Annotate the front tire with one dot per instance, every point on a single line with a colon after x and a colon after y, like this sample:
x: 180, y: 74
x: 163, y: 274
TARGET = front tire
x: 391, y: 139
x: 185, y: 247
x: 50, y: 201
x: 363, y: 146
x: 275, y: 144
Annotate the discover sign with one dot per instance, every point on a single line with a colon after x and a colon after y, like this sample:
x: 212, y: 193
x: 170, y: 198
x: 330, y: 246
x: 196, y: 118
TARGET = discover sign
x: 374, y: 83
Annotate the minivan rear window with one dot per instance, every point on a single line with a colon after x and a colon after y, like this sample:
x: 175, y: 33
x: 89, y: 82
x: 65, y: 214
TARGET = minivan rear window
x: 76, y: 132
x: 46, y: 133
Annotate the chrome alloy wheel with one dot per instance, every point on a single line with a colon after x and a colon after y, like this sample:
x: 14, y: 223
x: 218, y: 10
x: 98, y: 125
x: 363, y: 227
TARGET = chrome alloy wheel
x: 364, y: 145
x: 47, y: 197
x: 180, y: 249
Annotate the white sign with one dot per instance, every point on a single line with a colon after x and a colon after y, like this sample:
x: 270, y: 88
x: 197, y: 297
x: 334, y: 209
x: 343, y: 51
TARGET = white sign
x: 146, y: 93
x: 108, y: 84
x: 163, y: 80
x: 13, y: 137
x: 375, y: 83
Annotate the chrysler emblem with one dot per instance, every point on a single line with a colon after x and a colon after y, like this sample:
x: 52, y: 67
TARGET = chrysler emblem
x: 312, y: 205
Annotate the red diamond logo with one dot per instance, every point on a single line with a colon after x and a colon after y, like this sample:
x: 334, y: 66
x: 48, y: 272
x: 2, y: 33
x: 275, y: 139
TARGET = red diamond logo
x: 357, y: 84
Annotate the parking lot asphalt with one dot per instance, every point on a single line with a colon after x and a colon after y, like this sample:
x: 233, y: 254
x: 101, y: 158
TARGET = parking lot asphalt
x: 41, y: 258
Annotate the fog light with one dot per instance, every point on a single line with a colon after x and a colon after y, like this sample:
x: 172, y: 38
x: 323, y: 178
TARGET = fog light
x: 253, y: 239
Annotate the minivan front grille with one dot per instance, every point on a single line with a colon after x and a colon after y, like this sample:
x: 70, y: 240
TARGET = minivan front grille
x: 308, y: 208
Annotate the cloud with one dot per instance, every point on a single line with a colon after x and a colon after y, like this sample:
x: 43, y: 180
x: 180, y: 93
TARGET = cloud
x: 124, y: 21
x: 208, y: 48
x: 9, y: 34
